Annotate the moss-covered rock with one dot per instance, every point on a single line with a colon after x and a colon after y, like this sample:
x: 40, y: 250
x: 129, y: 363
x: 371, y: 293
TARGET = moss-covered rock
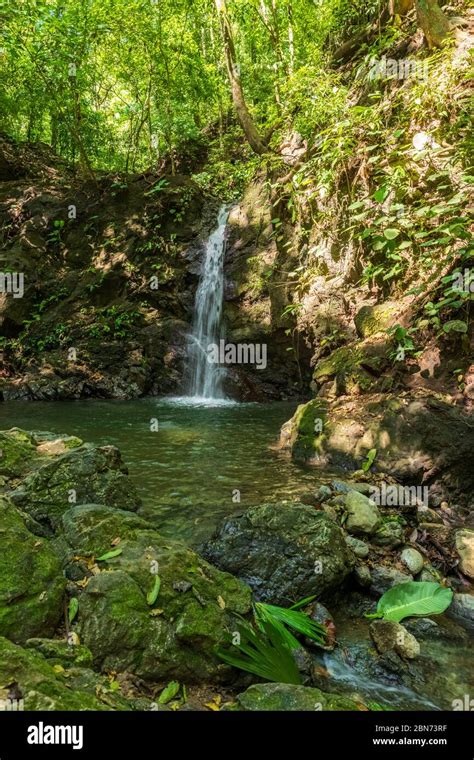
x: 283, y: 551
x: 26, y: 675
x: 31, y: 580
x: 62, y: 653
x: 17, y: 449
x: 371, y: 320
x: 81, y: 475
x: 270, y: 697
x: 173, y: 636
x: 355, y: 367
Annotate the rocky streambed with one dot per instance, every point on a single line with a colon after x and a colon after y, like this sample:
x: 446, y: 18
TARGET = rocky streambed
x: 99, y: 610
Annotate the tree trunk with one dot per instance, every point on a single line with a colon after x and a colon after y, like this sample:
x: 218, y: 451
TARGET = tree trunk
x: 243, y: 114
x: 432, y: 20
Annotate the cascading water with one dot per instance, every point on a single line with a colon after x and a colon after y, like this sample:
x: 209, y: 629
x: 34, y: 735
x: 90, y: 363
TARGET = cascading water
x: 205, y: 377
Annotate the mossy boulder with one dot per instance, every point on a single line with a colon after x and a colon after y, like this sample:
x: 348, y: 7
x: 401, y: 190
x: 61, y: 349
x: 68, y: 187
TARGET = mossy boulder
x: 173, y: 636
x: 355, y: 368
x: 283, y: 551
x: 419, y: 439
x: 371, y: 320
x: 274, y: 697
x: 26, y: 675
x: 304, y: 433
x: 363, y: 516
x: 17, y: 449
x: 81, y: 475
x: 31, y: 580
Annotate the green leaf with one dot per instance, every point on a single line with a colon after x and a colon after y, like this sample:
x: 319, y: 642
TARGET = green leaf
x: 413, y: 598
x: 380, y: 194
x: 391, y: 233
x: 265, y: 653
x: 152, y: 595
x: 169, y: 693
x: 291, y: 618
x: 109, y: 555
x: 455, y: 325
x: 72, y: 609
x: 369, y: 460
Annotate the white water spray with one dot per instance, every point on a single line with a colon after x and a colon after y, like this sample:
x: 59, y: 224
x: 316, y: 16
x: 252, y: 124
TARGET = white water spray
x: 205, y: 377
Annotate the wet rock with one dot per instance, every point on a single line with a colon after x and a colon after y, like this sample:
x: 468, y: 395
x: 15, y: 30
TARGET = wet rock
x: 389, y: 636
x: 413, y: 560
x: 286, y: 697
x: 462, y: 609
x: 87, y: 474
x: 360, y: 548
x: 464, y: 540
x: 31, y: 580
x: 384, y: 577
x: 323, y: 493
x: 363, y: 514
x: 389, y: 533
x: 320, y: 614
x: 284, y: 552
x: 423, y: 628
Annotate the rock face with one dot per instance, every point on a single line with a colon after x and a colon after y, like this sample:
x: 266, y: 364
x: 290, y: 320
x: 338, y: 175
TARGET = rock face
x: 285, y: 697
x: 173, y: 637
x: 419, y: 439
x: 31, y: 580
x: 284, y: 552
x: 363, y: 515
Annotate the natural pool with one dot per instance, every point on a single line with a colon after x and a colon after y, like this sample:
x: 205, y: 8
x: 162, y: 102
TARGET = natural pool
x: 189, y: 470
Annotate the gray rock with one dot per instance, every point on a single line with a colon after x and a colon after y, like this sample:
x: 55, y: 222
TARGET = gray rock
x: 363, y: 514
x: 360, y: 548
x: 384, y: 577
x: 323, y: 493
x: 462, y: 609
x: 413, y: 560
x: 284, y: 552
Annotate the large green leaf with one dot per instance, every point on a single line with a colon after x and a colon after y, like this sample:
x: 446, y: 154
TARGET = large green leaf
x: 413, y: 598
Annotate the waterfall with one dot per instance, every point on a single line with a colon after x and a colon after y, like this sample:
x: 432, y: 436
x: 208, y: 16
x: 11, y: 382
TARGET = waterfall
x: 205, y: 377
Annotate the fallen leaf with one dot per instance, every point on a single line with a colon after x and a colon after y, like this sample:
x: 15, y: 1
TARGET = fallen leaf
x: 221, y: 602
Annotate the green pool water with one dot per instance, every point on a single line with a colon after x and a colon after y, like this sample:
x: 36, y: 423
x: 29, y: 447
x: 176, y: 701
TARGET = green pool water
x: 188, y: 472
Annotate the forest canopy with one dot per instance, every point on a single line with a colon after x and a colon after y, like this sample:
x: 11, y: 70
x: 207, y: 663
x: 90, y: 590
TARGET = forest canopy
x: 115, y: 84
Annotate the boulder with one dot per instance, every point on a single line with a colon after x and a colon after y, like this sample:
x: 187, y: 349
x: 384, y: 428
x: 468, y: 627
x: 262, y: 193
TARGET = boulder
x: 280, y: 697
x: 173, y: 636
x: 283, y: 551
x: 389, y: 636
x: 360, y: 548
x: 84, y: 474
x: 420, y: 439
x: 389, y: 533
x: 363, y: 516
x: 464, y: 540
x: 26, y: 675
x: 31, y: 580
x: 462, y: 609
